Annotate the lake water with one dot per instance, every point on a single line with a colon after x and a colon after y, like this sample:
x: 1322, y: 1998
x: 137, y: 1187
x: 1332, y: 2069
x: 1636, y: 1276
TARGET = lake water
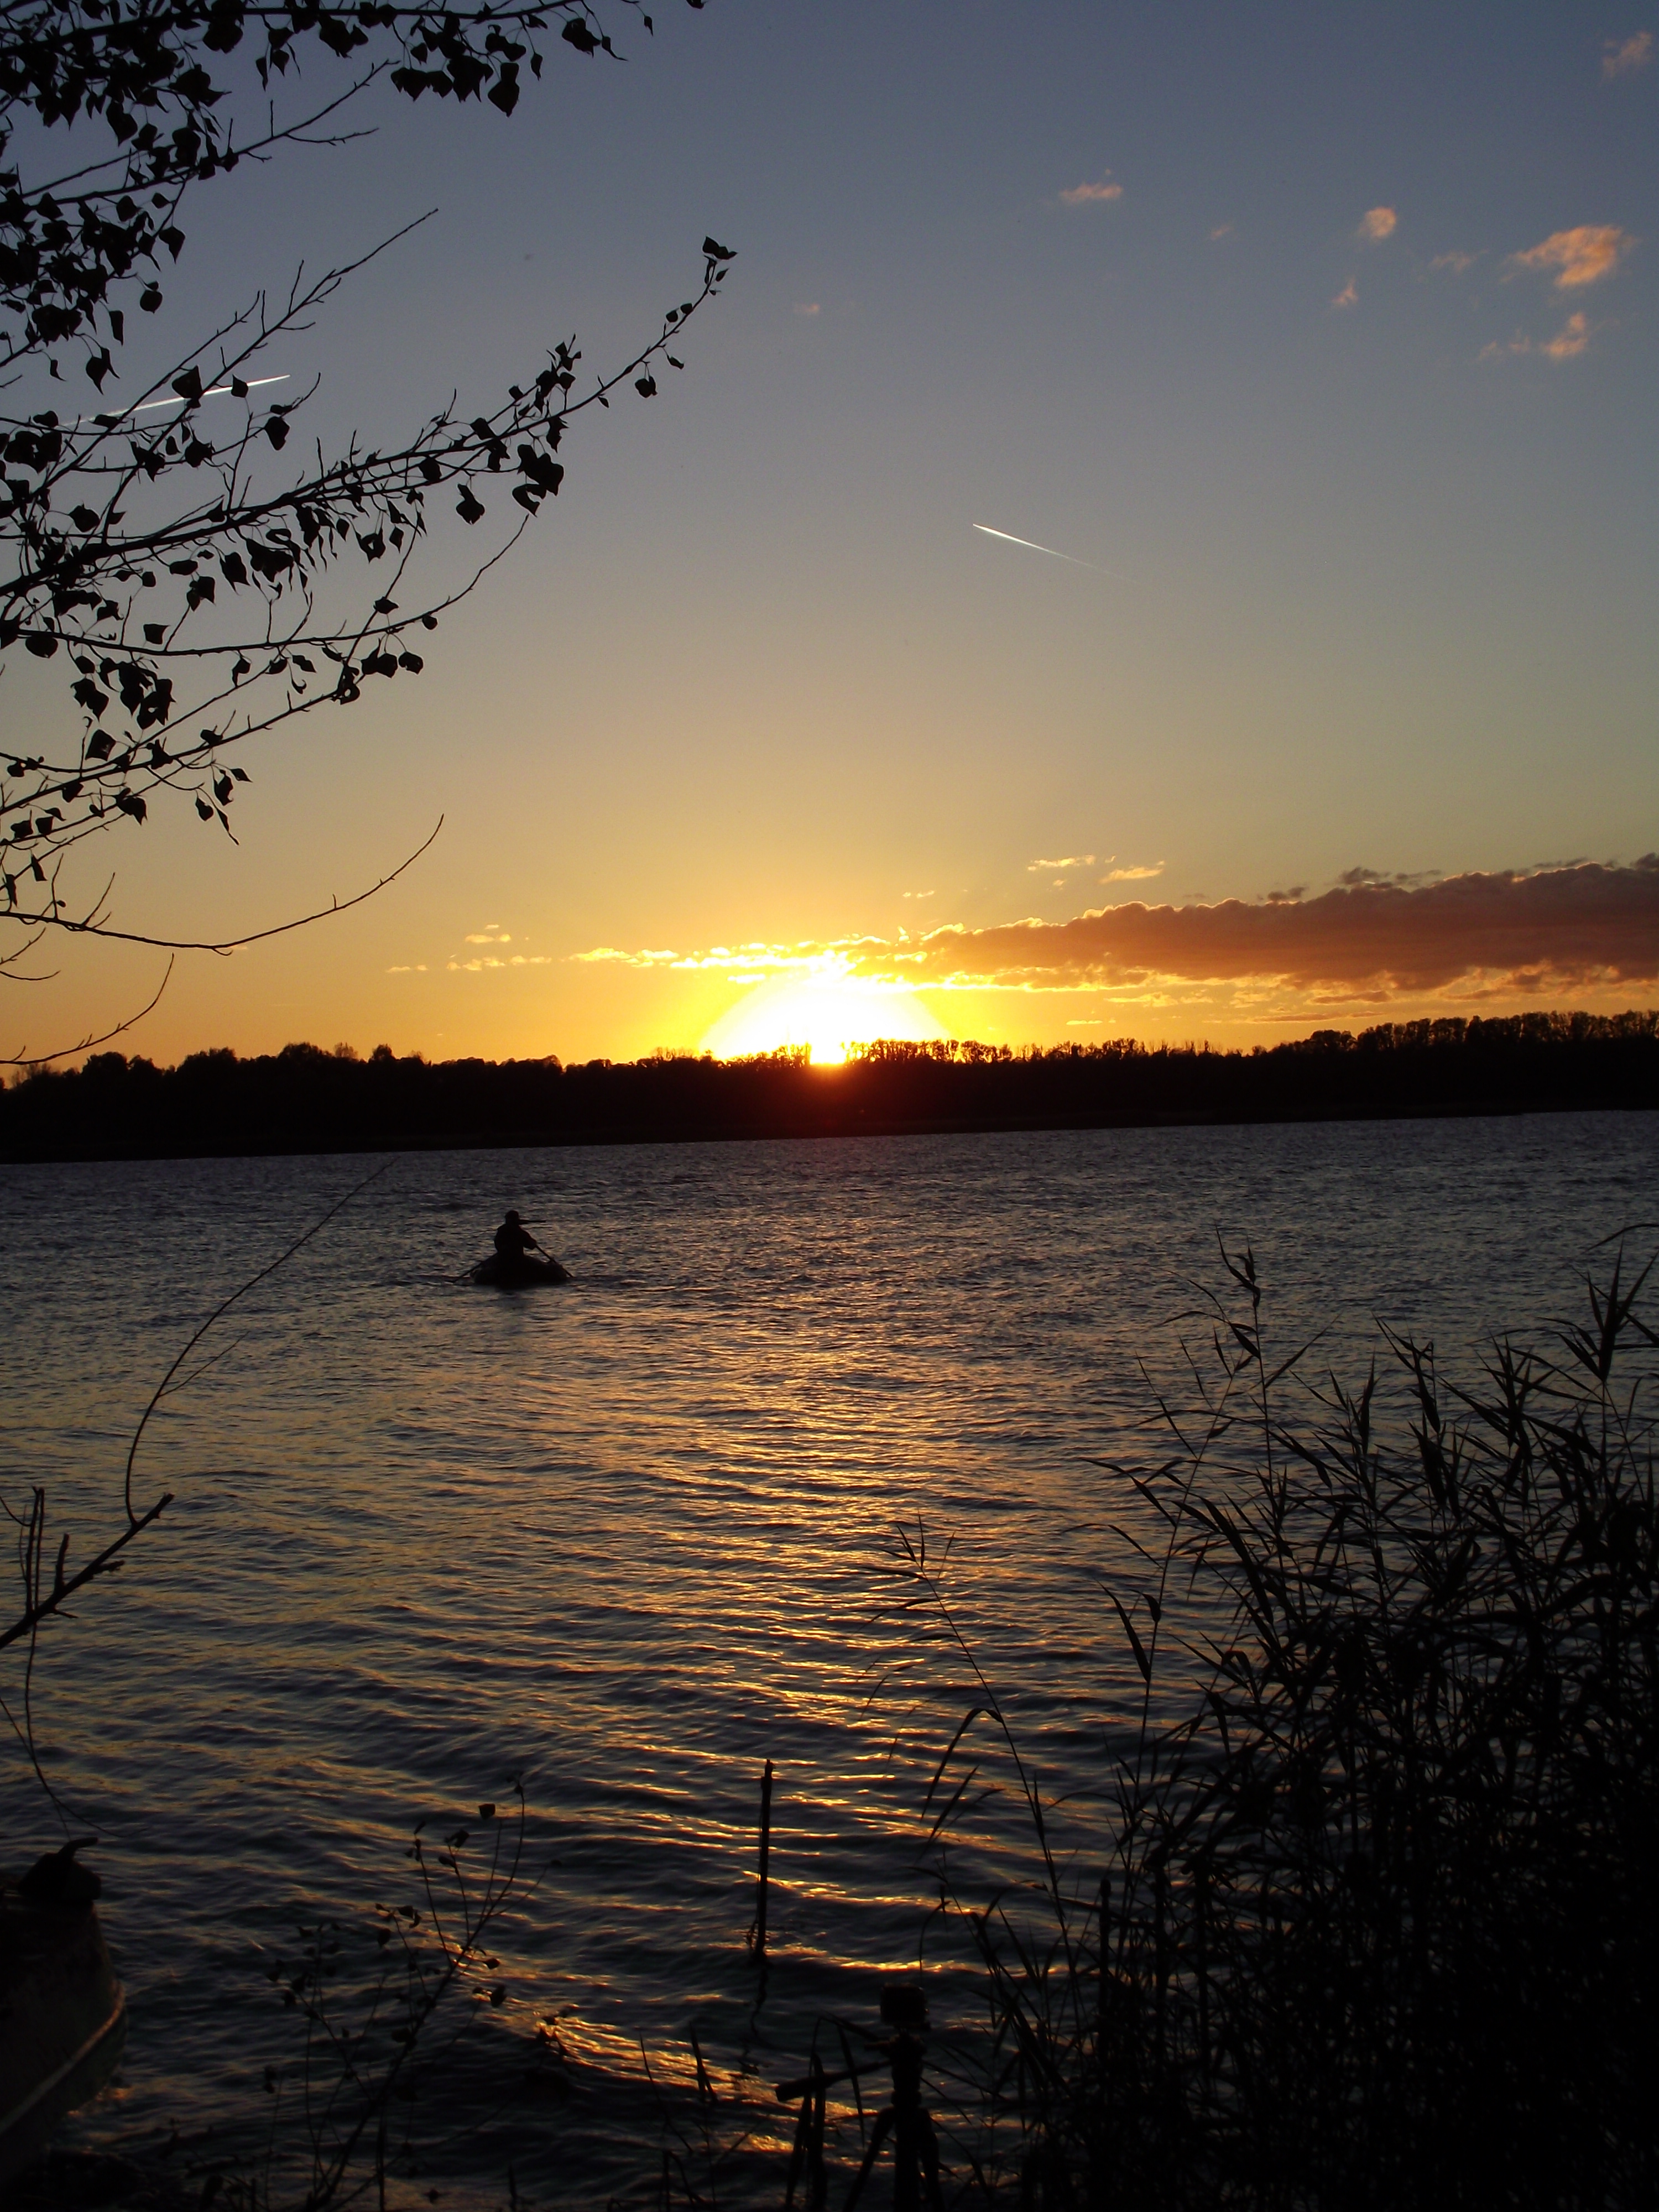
x: 634, y: 1537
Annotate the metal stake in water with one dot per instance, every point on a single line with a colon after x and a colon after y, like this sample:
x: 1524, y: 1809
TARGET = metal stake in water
x: 765, y: 1862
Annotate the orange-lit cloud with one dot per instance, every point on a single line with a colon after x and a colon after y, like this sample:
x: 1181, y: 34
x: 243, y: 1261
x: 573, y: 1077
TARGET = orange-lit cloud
x: 1456, y: 261
x: 1620, y: 55
x: 1569, y: 341
x: 1348, y: 296
x: 808, y: 308
x: 1548, y: 929
x: 1046, y: 867
x: 488, y: 960
x: 1378, y: 223
x: 1561, y: 927
x: 1132, y: 875
x: 1086, y: 195
x: 663, y: 958
x: 476, y: 963
x: 1581, y: 256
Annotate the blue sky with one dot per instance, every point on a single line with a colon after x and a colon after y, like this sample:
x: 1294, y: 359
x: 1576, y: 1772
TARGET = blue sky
x: 1377, y: 501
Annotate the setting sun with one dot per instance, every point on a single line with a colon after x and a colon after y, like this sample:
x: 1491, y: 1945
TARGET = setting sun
x: 830, y: 1012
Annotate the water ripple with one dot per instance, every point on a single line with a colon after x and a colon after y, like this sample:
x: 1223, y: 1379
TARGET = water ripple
x: 629, y: 1539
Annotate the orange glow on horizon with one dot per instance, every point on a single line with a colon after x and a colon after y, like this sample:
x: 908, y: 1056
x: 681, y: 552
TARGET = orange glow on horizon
x: 828, y: 1012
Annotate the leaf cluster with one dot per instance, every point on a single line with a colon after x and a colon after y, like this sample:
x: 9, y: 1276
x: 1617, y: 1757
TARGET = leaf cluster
x: 195, y: 595
x: 126, y: 597
x: 152, y: 76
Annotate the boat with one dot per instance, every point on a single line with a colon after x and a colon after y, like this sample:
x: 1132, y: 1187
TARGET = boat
x: 519, y: 1274
x: 63, y: 2012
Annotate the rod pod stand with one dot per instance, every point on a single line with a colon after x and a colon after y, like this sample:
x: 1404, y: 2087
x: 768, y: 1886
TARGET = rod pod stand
x: 906, y: 2119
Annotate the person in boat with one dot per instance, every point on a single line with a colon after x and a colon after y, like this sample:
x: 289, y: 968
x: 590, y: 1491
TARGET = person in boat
x: 514, y: 1242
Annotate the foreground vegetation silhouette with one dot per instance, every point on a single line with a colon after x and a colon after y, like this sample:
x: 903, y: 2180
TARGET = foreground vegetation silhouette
x: 1378, y: 1926
x: 194, y: 589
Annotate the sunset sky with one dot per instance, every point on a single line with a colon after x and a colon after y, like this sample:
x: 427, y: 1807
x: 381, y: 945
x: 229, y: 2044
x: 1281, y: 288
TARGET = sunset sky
x: 1319, y: 340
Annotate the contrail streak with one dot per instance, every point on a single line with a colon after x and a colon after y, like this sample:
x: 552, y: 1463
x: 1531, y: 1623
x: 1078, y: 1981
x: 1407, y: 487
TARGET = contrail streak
x: 1031, y: 546
x: 212, y: 392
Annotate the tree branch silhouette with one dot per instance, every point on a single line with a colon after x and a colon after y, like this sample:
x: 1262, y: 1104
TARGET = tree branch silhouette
x: 90, y: 927
x: 197, y: 597
x: 47, y: 1588
x: 21, y: 1058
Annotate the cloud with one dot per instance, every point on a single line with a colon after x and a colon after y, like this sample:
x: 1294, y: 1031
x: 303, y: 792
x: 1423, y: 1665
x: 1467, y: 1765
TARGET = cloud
x: 1087, y: 195
x: 1583, y: 256
x: 1348, y: 296
x: 808, y: 308
x: 1561, y: 928
x: 493, y: 934
x: 663, y: 959
x: 1550, y: 929
x: 1045, y: 867
x: 1221, y: 230
x: 749, y: 963
x: 1350, y: 876
x: 1457, y: 261
x: 1620, y: 55
x: 1569, y: 341
x: 1378, y: 223
x: 1132, y: 875
x: 517, y: 960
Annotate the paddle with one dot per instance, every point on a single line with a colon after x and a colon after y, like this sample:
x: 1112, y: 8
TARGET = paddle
x: 539, y: 1247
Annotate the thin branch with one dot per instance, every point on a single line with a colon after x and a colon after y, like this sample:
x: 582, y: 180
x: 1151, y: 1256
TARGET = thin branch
x: 106, y: 1563
x: 57, y: 185
x: 87, y: 1044
x: 229, y: 944
x: 218, y: 1313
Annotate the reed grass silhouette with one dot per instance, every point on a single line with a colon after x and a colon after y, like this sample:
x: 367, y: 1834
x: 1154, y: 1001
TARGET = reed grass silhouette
x: 1379, y: 1924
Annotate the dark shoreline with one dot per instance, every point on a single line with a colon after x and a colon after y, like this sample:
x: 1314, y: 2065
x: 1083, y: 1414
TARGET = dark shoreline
x: 328, y: 1144
x: 303, y: 1100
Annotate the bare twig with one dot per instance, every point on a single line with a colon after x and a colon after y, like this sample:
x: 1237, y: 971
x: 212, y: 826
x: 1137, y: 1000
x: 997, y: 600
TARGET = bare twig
x: 20, y: 1059
x: 220, y: 1311
x: 90, y: 928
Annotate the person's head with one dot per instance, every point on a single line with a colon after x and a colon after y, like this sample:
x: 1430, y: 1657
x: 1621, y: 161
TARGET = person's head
x: 512, y: 1215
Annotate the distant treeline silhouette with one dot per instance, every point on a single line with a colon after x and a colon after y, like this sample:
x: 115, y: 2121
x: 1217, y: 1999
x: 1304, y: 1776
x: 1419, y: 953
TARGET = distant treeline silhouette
x: 303, y: 1099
